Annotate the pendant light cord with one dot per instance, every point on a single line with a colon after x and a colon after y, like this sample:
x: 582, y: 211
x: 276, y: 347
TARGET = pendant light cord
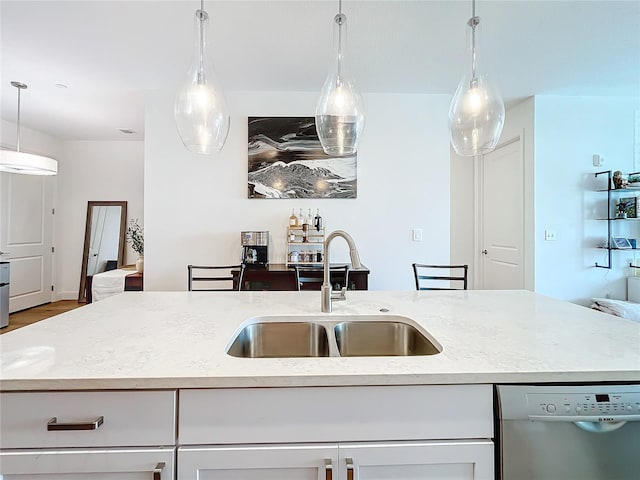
x: 19, y: 86
x: 202, y: 16
x: 340, y: 19
x: 473, y: 22
x: 18, y: 127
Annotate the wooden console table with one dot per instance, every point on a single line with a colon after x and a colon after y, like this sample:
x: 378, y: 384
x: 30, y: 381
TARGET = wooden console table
x: 133, y: 282
x: 279, y: 276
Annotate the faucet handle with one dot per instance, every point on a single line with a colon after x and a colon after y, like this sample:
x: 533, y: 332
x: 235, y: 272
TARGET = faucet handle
x: 339, y: 295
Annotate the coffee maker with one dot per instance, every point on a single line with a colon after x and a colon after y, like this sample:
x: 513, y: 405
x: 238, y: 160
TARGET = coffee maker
x: 255, y: 248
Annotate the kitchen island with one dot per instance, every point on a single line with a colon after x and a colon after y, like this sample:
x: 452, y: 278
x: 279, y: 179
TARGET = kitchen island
x: 140, y: 340
x: 150, y: 364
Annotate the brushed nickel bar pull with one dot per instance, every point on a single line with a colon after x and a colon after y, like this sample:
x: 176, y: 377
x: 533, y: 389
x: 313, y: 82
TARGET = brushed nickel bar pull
x: 157, y: 472
x: 350, y: 468
x: 328, y: 469
x: 54, y: 426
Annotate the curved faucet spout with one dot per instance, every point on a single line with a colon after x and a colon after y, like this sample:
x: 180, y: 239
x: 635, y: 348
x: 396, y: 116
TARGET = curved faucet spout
x: 355, y: 263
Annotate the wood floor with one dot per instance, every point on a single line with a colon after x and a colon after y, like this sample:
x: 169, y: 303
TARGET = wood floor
x: 35, y: 314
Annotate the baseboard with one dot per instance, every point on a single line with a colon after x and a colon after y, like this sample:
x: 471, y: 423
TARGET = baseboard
x: 65, y: 296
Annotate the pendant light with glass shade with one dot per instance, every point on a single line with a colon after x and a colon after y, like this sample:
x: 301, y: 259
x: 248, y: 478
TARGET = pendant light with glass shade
x: 200, y: 109
x: 476, y: 114
x: 21, y: 162
x: 340, y: 110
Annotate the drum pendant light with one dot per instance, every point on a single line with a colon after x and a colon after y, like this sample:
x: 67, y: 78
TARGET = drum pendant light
x: 25, y: 163
x: 200, y: 109
x: 340, y: 110
x: 476, y: 114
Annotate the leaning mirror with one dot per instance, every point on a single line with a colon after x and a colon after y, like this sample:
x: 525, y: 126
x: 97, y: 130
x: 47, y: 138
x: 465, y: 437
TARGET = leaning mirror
x: 104, y: 239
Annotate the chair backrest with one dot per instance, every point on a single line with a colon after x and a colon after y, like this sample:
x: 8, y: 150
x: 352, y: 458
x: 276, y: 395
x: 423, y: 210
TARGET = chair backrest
x: 312, y: 278
x: 214, y: 278
x: 440, y: 277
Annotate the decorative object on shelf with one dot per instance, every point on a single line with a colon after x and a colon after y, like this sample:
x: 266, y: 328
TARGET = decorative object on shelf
x: 21, y: 162
x: 286, y: 161
x: 135, y: 236
x: 476, y: 113
x: 340, y: 109
x: 619, y: 181
x: 628, y: 207
x: 620, y: 243
x: 200, y: 109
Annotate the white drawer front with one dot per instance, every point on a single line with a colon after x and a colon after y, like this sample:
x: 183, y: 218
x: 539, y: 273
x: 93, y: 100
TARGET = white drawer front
x: 88, y: 464
x: 328, y: 414
x: 129, y: 419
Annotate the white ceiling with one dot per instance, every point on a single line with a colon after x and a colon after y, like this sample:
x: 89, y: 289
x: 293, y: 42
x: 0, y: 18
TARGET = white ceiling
x: 110, y: 52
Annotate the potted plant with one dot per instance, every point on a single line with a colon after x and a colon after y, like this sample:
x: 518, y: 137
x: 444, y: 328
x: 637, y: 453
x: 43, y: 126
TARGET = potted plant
x: 135, y: 236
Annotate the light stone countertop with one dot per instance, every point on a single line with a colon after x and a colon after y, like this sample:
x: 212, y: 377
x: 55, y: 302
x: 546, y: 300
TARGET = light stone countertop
x: 156, y: 340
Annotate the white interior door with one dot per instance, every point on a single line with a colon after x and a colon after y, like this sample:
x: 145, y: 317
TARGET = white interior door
x: 26, y: 233
x: 502, y: 217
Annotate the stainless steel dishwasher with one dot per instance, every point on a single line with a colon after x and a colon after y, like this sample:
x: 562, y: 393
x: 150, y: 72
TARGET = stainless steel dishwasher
x: 569, y: 432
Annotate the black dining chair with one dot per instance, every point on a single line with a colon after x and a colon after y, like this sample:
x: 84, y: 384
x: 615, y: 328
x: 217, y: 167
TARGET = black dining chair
x: 215, y: 278
x: 310, y: 278
x: 440, y: 277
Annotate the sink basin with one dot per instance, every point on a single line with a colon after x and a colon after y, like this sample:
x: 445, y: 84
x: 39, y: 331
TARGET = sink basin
x: 283, y: 336
x: 382, y: 338
x: 281, y: 339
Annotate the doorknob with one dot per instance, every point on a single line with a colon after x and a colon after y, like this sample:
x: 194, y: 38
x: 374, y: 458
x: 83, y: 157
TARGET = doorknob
x: 485, y: 252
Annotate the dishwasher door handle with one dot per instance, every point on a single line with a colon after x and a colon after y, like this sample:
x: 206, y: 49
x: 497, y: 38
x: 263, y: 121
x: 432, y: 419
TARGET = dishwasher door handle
x: 590, y: 424
x: 585, y: 418
x: 599, y: 427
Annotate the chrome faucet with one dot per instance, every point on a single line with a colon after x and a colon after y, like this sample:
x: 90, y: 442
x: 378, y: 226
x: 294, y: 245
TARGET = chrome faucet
x: 327, y: 295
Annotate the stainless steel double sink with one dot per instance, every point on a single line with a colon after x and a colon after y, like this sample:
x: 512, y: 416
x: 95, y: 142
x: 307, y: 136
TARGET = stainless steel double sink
x: 331, y: 336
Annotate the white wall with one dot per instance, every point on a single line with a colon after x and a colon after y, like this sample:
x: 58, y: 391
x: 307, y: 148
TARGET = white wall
x: 92, y: 171
x: 196, y: 206
x: 569, y: 130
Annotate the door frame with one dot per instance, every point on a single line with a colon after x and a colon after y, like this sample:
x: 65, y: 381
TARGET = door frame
x: 528, y: 239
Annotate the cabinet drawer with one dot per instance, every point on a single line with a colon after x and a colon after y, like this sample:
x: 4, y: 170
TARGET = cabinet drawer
x: 128, y: 419
x: 327, y: 414
x: 89, y: 464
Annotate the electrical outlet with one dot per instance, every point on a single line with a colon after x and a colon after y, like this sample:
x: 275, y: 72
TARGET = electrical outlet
x: 550, y: 235
x: 417, y: 234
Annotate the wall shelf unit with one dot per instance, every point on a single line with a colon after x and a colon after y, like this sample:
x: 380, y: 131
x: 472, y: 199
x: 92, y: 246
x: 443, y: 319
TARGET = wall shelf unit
x: 305, y: 246
x: 613, y: 195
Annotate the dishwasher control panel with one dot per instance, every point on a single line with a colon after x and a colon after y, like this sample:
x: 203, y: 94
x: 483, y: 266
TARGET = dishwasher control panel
x: 595, y: 405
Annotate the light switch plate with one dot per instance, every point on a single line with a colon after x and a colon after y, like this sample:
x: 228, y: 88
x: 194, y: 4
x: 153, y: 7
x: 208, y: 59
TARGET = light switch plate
x: 416, y: 234
x: 598, y: 161
x: 550, y: 235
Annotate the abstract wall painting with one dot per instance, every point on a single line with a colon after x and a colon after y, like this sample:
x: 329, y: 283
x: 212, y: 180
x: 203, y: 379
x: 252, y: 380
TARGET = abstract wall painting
x: 286, y: 160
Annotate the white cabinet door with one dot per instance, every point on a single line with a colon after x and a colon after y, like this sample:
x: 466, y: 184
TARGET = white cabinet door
x: 281, y: 462
x: 88, y: 464
x: 436, y: 460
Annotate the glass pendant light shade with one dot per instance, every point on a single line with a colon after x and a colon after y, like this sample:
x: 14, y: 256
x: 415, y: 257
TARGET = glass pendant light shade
x: 21, y: 162
x: 476, y: 113
x: 200, y: 109
x: 340, y: 110
x: 476, y: 116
